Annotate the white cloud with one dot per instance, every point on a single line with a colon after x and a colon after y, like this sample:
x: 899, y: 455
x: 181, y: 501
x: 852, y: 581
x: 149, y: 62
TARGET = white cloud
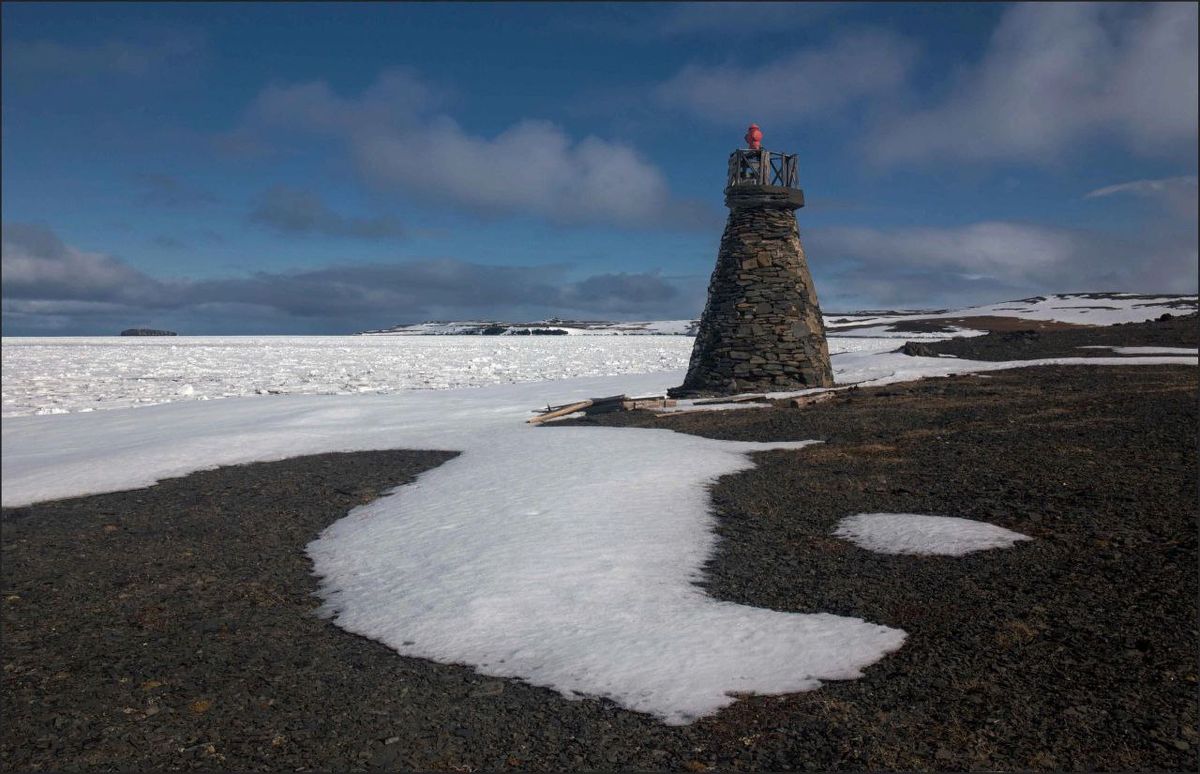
x: 811, y: 83
x: 48, y: 285
x: 399, y: 141
x: 1000, y: 250
x: 531, y: 166
x: 1056, y: 74
x: 990, y: 260
x: 37, y: 265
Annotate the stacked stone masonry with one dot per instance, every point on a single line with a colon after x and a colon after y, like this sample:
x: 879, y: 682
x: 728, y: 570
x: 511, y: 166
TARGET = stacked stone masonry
x: 762, y: 327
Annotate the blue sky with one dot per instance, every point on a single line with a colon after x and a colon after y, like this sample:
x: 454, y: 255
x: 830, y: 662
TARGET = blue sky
x: 325, y: 168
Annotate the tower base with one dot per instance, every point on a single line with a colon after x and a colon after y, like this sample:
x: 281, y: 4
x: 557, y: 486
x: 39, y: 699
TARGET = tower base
x: 762, y: 328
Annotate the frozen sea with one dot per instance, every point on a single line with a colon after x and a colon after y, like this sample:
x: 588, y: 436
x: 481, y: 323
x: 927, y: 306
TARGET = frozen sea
x: 55, y: 375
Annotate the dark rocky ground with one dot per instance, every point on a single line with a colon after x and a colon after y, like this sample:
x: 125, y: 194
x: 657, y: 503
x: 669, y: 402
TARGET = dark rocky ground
x: 949, y: 325
x: 172, y: 627
x: 1021, y: 340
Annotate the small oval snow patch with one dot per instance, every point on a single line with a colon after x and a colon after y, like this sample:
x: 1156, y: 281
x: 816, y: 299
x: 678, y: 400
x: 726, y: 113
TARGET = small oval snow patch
x: 912, y: 533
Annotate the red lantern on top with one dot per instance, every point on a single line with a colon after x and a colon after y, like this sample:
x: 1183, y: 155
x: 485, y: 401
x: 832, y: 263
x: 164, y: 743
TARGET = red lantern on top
x: 753, y: 137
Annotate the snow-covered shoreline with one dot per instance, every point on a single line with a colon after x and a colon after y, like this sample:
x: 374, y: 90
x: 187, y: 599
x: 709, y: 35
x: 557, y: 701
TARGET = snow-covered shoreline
x: 519, y: 557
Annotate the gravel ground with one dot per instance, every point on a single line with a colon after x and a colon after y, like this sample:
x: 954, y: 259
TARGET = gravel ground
x: 172, y: 628
x: 1028, y: 343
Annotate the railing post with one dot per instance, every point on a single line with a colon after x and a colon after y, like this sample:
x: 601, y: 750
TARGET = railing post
x: 759, y: 166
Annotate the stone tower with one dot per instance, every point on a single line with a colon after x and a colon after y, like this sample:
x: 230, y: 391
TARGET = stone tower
x: 762, y: 327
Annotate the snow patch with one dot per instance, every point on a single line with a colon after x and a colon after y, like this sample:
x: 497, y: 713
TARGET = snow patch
x: 570, y: 561
x: 912, y: 533
x: 888, y: 332
x: 1146, y: 350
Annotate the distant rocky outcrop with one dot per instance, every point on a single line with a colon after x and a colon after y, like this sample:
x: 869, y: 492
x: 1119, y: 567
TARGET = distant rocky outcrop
x: 551, y: 327
x: 918, y: 349
x: 146, y: 332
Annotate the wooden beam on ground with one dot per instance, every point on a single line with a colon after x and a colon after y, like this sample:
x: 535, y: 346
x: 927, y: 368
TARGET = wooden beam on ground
x: 686, y: 411
x: 732, y: 399
x: 647, y: 403
x: 571, y: 409
x: 808, y: 400
x: 609, y: 399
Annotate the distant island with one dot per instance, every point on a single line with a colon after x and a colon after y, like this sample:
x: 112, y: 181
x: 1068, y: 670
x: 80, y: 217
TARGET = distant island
x: 146, y: 332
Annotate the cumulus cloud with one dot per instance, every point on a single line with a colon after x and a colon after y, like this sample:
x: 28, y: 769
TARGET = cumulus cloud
x: 299, y: 211
x: 1055, y: 74
x: 36, y: 265
x: 531, y: 166
x: 810, y: 83
x: 51, y: 286
x: 398, y: 141
x: 991, y: 260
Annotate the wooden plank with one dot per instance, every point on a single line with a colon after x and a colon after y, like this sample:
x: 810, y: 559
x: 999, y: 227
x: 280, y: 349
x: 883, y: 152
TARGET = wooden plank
x: 610, y: 399
x: 604, y: 408
x: 731, y: 399
x: 571, y: 409
x: 647, y: 403
x: 808, y: 400
x: 697, y: 411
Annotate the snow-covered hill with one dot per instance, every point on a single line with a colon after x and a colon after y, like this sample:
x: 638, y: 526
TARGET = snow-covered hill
x: 1071, y: 308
